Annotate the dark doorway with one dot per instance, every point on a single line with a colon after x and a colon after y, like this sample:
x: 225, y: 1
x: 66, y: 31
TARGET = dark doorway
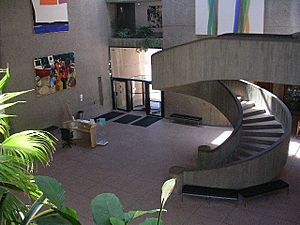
x: 126, y: 16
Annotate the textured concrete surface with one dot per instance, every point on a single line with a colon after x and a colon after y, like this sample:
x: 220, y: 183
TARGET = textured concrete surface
x: 88, y: 38
x: 135, y: 163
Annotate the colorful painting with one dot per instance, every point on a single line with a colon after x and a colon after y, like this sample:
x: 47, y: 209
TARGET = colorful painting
x: 214, y: 17
x: 54, y: 73
x: 50, y: 16
x: 154, y: 16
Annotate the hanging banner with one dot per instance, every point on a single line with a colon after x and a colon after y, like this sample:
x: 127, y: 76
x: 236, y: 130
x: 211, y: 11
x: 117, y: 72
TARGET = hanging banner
x: 50, y: 16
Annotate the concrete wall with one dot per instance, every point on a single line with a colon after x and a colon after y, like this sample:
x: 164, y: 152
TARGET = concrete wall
x: 88, y: 38
x: 128, y: 62
x: 281, y: 17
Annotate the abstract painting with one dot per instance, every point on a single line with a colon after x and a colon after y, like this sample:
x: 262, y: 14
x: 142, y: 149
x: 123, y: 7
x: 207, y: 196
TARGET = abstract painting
x: 214, y: 17
x: 154, y: 16
x: 54, y: 73
x: 50, y: 16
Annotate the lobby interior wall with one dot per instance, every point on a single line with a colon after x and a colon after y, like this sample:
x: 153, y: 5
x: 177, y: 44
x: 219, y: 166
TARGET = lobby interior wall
x: 281, y: 17
x: 87, y: 37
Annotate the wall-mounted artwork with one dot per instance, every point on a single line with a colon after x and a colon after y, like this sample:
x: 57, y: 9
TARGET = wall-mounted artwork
x: 54, y: 73
x: 214, y: 17
x: 154, y: 16
x: 50, y: 16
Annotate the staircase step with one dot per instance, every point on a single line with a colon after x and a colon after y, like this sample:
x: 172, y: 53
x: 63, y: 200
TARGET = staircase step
x: 259, y: 140
x: 253, y: 112
x: 247, y: 104
x: 258, y: 118
x: 253, y: 146
x: 264, y: 133
x: 262, y: 125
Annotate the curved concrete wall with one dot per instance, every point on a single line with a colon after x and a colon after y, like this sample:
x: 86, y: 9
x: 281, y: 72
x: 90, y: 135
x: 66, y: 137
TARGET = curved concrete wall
x: 216, y: 93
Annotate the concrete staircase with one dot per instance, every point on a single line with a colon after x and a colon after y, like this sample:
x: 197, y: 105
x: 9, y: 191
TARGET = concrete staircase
x: 260, y: 130
x: 213, y: 70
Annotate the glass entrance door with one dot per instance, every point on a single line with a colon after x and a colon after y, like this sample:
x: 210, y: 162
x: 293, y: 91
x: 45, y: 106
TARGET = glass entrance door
x: 155, y: 102
x: 120, y: 95
x: 138, y: 95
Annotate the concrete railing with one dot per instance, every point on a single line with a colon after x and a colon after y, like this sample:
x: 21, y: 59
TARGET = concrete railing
x: 271, y: 59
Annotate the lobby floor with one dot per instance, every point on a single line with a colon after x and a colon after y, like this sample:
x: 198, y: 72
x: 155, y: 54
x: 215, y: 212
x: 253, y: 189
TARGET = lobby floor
x: 135, y: 164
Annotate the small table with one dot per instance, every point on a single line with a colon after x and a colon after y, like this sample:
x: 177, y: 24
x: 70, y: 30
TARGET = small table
x: 82, y: 126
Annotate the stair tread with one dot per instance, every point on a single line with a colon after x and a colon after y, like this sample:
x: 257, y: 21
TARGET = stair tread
x: 272, y: 122
x: 265, y: 115
x: 261, y: 138
x: 253, y: 109
x: 242, y: 143
x: 253, y: 112
x: 275, y: 130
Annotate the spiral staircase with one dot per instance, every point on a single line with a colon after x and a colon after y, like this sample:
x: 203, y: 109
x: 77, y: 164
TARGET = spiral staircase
x: 212, y: 69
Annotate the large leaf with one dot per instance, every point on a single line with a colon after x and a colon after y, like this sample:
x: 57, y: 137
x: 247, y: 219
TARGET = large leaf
x: 10, y: 207
x: 13, y: 175
x: 35, y: 208
x: 4, y: 106
x: 70, y: 215
x: 166, y: 190
x: 4, y: 127
x: 54, y: 216
x: 7, y: 96
x: 52, y: 220
x: 131, y: 215
x: 53, y: 191
x: 152, y: 221
x: 30, y: 147
x: 104, y: 207
x: 116, y: 221
x: 4, y: 80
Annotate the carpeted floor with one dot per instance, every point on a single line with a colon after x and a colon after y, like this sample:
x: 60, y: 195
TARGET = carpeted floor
x: 135, y: 163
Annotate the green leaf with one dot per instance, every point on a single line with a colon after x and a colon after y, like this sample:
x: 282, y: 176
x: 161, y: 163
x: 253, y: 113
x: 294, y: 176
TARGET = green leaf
x: 52, y: 220
x: 4, y: 80
x: 53, y: 191
x: 152, y: 221
x: 131, y: 215
x: 166, y: 190
x: 104, y: 207
x: 4, y: 106
x: 10, y: 207
x: 116, y: 221
x: 7, y: 96
x: 30, y: 147
x: 70, y: 215
x: 35, y: 208
x: 13, y: 175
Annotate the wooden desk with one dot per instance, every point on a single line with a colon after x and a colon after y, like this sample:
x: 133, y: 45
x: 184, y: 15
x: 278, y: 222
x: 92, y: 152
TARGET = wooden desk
x: 82, y: 126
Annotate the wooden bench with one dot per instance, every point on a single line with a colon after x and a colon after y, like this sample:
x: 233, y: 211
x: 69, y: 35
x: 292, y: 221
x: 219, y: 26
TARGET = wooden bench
x: 185, y: 117
x: 210, y: 193
x: 262, y: 189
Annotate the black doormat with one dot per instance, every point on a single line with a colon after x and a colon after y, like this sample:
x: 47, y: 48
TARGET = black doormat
x: 146, y: 121
x: 109, y: 116
x: 127, y: 119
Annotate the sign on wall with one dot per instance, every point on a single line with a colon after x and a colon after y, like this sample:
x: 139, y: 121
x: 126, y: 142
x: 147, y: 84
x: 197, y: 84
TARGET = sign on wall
x: 214, y: 17
x: 54, y: 73
x: 50, y: 16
